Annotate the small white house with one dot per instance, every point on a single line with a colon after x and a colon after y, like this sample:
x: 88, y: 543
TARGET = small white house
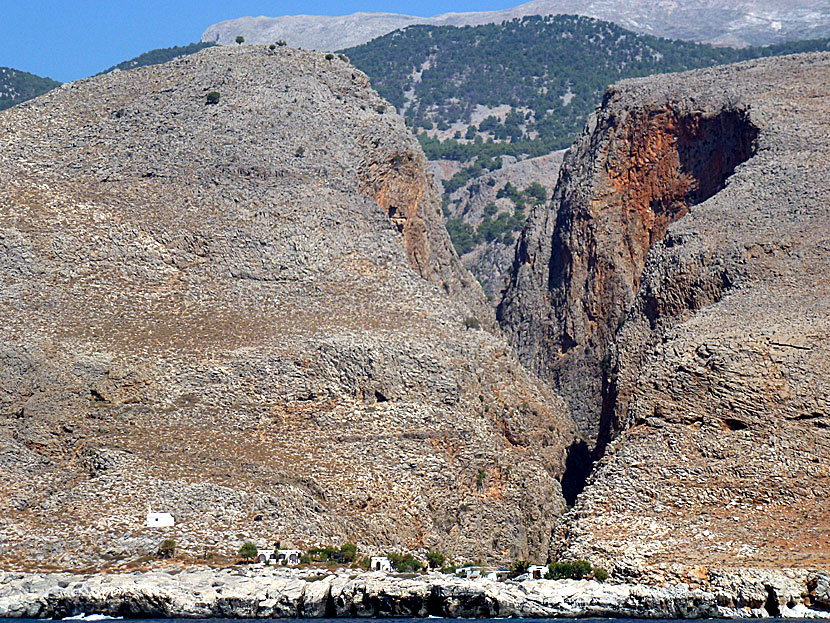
x: 288, y: 556
x: 160, y: 520
x: 380, y: 563
x: 537, y: 572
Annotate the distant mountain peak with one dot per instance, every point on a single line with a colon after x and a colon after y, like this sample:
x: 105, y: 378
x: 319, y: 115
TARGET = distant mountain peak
x: 741, y: 23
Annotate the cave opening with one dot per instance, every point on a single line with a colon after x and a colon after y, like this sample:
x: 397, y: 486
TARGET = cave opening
x: 578, y: 465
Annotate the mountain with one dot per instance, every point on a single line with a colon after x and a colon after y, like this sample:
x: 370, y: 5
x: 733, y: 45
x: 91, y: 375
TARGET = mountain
x: 18, y: 86
x: 518, y: 89
x: 228, y: 295
x: 741, y: 23
x: 158, y: 56
x: 526, y: 84
x: 676, y: 292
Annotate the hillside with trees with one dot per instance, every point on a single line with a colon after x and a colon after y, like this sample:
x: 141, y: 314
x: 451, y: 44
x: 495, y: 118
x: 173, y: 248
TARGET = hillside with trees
x: 18, y: 86
x: 159, y: 56
x: 524, y: 86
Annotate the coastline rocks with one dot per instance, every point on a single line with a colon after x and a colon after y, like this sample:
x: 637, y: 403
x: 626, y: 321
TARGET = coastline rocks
x: 267, y: 593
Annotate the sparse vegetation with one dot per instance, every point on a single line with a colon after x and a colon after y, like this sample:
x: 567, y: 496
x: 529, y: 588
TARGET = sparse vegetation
x: 471, y: 322
x: 519, y: 567
x: 575, y: 570
x: 480, y: 477
x: 167, y: 549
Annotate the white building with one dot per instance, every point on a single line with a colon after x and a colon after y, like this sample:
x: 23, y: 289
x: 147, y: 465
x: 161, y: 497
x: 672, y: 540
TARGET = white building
x: 537, y: 572
x: 160, y: 520
x: 380, y: 563
x: 289, y: 556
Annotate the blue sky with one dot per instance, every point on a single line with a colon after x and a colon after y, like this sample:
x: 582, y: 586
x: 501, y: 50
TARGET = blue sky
x: 72, y: 39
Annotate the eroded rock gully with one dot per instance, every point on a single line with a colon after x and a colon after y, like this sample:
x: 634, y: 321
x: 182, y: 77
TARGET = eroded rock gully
x: 684, y: 314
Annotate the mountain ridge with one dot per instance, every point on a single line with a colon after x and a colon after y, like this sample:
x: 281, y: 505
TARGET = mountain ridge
x: 745, y: 22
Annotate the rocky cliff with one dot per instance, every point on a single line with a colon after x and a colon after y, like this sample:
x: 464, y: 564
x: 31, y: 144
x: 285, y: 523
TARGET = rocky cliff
x: 677, y: 294
x: 285, y: 593
x: 227, y: 294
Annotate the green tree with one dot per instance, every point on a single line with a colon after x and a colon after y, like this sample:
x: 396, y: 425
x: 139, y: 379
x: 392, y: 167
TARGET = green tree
x: 240, y: 39
x: 348, y: 552
x: 248, y: 551
x: 436, y: 559
x: 212, y: 97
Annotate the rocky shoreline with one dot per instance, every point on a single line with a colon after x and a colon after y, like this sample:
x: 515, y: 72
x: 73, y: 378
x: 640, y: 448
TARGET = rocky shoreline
x: 287, y: 593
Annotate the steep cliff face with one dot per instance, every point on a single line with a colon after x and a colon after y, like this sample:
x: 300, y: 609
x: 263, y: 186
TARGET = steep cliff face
x: 678, y: 294
x: 245, y: 310
x: 636, y: 169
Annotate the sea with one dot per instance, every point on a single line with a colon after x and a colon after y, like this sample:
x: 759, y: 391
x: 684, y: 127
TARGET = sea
x: 391, y: 620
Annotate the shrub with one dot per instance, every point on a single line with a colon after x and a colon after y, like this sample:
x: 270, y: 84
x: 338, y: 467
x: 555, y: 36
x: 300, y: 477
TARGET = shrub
x: 343, y: 58
x: 471, y: 322
x: 305, y: 559
x: 348, y: 552
x: 167, y: 549
x: 380, y: 108
x: 212, y: 97
x: 248, y: 551
x: 519, y: 567
x: 281, y: 43
x: 240, y: 39
x: 300, y: 151
x: 480, y: 476
x: 273, y: 46
x: 404, y: 563
x: 600, y: 575
x: 575, y: 570
x: 436, y: 559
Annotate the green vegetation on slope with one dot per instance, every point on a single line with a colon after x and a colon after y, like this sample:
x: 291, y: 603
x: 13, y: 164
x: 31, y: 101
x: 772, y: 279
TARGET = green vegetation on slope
x: 159, y: 56
x: 550, y: 72
x: 18, y: 86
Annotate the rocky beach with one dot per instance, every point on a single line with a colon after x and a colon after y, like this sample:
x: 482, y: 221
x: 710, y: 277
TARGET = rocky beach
x: 288, y: 593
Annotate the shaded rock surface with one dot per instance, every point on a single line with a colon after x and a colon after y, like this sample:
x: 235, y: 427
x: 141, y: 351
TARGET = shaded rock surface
x: 677, y: 295
x: 249, y: 308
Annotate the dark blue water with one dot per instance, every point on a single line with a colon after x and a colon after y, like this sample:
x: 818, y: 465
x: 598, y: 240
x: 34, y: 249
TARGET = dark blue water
x: 399, y: 620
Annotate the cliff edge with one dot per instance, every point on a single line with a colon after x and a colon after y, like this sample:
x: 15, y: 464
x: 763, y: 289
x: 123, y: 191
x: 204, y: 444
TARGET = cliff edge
x: 676, y: 293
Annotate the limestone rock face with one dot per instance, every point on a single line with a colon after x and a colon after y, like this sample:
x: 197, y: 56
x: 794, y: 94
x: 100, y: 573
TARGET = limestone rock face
x: 680, y: 300
x: 249, y: 308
